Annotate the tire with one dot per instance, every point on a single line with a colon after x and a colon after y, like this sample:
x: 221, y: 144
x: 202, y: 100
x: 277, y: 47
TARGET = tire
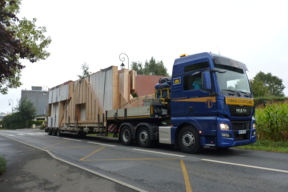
x: 143, y: 137
x: 54, y: 132
x: 58, y: 133
x: 189, y: 141
x: 49, y: 131
x: 126, y: 136
x: 82, y: 134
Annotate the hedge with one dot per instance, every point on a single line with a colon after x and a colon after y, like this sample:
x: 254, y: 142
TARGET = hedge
x: 263, y: 101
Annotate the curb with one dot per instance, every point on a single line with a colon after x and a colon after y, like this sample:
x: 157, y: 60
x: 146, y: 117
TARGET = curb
x: 94, y: 172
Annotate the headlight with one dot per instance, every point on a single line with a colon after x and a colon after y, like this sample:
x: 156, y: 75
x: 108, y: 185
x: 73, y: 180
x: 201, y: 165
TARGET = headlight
x: 224, y: 126
x: 254, y: 126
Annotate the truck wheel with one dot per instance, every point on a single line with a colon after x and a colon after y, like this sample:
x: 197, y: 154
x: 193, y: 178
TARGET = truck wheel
x: 189, y: 140
x: 82, y: 134
x: 126, y: 136
x: 54, y: 132
x: 50, y: 131
x: 143, y: 137
x: 58, y: 133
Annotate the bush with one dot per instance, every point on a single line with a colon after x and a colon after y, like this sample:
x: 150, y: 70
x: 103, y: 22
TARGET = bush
x: 13, y: 121
x: 272, y: 122
x: 263, y: 101
x: 42, y: 127
x: 37, y: 123
x: 2, y: 165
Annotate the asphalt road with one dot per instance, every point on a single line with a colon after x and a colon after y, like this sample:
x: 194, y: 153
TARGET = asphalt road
x: 164, y: 168
x: 32, y: 170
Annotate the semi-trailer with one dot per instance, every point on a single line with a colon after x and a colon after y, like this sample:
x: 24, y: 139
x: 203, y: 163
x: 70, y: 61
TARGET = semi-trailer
x: 208, y: 101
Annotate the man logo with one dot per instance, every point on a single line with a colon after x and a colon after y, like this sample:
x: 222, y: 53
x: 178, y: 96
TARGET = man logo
x: 241, y: 110
x: 209, y: 103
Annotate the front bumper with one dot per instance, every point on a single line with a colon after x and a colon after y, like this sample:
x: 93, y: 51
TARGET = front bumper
x: 234, y: 138
x: 231, y: 138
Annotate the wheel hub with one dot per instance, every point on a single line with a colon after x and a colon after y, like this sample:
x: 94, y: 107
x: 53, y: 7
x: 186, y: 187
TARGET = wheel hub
x: 188, y: 139
x: 143, y: 136
x: 126, y: 135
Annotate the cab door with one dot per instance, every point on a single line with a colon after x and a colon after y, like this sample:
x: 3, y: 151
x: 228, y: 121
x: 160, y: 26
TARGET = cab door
x: 198, y: 102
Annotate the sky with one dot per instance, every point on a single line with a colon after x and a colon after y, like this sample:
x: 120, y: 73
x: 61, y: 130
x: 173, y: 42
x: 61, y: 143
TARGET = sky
x: 97, y: 32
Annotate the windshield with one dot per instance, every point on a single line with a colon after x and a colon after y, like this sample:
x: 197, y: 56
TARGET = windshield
x: 234, y: 79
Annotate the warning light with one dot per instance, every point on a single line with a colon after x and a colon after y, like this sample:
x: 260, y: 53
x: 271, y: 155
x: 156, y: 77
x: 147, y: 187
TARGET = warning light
x: 200, y: 132
x: 183, y: 55
x: 211, y: 141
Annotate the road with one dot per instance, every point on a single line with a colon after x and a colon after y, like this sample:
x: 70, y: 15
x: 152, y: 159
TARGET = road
x: 164, y: 168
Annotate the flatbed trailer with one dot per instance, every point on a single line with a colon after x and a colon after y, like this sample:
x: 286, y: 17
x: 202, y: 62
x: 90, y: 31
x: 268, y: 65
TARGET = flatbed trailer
x: 209, y: 102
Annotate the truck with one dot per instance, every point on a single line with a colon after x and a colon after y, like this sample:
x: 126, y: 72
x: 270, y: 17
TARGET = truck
x: 208, y: 101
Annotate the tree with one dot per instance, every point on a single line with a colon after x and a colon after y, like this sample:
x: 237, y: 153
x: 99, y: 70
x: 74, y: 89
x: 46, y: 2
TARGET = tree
x: 150, y: 68
x: 273, y: 84
x: 258, y: 88
x: 20, y: 39
x: 85, y: 71
x: 26, y: 110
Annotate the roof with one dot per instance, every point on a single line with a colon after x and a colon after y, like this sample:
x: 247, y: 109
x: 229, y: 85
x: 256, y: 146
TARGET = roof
x: 178, y: 67
x: 145, y: 84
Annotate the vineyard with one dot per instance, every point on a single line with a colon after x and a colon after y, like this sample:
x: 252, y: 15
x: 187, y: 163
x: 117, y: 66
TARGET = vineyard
x: 272, y: 122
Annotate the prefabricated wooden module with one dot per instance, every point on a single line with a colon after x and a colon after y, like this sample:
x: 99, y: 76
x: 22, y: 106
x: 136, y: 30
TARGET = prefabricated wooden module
x: 83, y: 103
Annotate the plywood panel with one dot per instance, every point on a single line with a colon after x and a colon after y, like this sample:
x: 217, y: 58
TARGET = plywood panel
x: 105, y: 90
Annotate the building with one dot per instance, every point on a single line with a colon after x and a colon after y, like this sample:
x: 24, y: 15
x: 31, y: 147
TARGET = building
x: 39, y: 99
x: 145, y: 84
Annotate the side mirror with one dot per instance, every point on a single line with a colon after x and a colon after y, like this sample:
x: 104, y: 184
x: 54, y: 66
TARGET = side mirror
x: 207, y: 85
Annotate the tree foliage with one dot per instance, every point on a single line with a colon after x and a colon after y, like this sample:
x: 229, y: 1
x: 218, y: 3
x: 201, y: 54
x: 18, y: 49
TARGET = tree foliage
x: 273, y: 84
x: 150, y: 68
x: 20, y: 39
x: 20, y: 119
x: 258, y: 88
x: 85, y: 71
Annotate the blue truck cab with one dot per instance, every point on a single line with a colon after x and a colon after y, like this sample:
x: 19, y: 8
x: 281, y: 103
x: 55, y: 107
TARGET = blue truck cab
x: 211, y: 103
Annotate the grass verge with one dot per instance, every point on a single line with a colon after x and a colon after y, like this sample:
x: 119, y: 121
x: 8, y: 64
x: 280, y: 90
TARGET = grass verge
x: 265, y: 145
x: 2, y: 165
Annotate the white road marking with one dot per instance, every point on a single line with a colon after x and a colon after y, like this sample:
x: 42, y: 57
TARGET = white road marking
x: 11, y: 135
x: 30, y: 133
x: 159, y: 152
x: 243, y: 165
x: 72, y: 139
x: 20, y: 134
x: 101, y: 144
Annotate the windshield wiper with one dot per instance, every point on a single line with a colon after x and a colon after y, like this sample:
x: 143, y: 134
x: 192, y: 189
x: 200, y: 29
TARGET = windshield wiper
x: 232, y: 91
x: 247, y: 94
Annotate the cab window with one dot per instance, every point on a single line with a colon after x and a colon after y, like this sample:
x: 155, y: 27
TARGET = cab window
x: 192, y: 82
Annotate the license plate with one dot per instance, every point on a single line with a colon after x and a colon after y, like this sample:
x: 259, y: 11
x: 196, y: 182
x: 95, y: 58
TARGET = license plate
x: 242, y: 132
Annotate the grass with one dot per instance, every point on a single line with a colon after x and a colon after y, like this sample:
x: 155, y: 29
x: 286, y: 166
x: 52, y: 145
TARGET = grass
x: 2, y: 165
x: 109, y: 134
x: 265, y: 145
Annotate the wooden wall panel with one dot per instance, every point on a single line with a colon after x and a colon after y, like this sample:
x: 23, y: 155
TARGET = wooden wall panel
x: 82, y: 93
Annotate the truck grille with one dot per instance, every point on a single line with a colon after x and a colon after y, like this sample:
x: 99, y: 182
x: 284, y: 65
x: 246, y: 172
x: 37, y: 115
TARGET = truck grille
x: 241, y: 125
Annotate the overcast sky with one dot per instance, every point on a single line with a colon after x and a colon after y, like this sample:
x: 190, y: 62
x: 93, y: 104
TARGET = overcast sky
x: 97, y: 31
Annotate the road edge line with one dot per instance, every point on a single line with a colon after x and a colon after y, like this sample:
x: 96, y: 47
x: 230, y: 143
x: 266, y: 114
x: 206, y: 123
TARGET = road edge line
x: 244, y: 165
x: 80, y: 167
